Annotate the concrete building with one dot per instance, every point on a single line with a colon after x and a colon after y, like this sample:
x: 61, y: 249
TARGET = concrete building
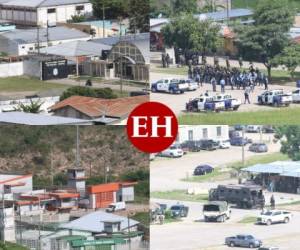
x: 101, y: 196
x: 202, y: 132
x: 129, y: 58
x: 76, y: 180
x: 101, y: 222
x: 15, y: 184
x: 7, y: 222
x: 22, y: 42
x: 126, y: 191
x: 41, y: 12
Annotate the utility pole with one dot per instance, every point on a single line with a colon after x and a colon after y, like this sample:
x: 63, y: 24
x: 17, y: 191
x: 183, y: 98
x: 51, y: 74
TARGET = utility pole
x: 51, y: 166
x: 77, y: 147
x: 227, y: 8
x: 3, y: 215
x: 38, y: 38
x: 47, y: 33
x: 129, y: 238
x: 103, y: 16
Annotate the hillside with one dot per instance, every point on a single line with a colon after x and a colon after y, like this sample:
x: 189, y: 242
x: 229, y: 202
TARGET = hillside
x: 294, y: 4
x: 25, y: 149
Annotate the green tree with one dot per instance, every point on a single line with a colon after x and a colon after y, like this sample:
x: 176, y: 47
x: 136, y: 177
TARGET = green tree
x: 138, y: 12
x: 33, y: 107
x: 191, y: 34
x: 157, y: 9
x: 105, y: 93
x: 267, y: 37
x: 206, y: 38
x: 211, y: 6
x: 186, y: 6
x: 77, y: 19
x: 113, y: 9
x: 290, y: 58
x: 290, y: 141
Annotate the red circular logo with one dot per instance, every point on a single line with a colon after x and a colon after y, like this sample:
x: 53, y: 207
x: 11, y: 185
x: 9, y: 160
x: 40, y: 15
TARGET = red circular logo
x: 152, y: 127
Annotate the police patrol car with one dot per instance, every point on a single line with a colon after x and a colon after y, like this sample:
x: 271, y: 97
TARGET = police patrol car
x: 229, y: 102
x: 275, y: 98
x: 169, y: 85
x: 205, y: 103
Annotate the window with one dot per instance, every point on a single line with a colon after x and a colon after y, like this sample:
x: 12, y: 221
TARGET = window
x: 80, y: 7
x: 205, y: 133
x: 219, y: 131
x: 191, y: 136
x: 52, y: 10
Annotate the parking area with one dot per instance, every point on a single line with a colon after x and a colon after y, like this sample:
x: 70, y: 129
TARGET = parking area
x: 170, y: 171
x: 193, y: 233
x: 177, y: 102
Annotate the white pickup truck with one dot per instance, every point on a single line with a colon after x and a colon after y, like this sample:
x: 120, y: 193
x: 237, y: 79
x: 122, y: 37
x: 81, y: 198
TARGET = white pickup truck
x: 274, y: 216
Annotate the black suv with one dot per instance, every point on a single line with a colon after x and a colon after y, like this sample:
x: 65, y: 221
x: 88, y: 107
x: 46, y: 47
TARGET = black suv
x: 192, y: 146
x: 209, y: 145
x: 203, y: 170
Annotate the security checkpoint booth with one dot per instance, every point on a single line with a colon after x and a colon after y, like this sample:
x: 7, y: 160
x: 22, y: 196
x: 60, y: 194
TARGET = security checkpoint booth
x: 279, y: 176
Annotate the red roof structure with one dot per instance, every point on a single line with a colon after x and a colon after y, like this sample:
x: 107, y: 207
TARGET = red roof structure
x: 97, y: 107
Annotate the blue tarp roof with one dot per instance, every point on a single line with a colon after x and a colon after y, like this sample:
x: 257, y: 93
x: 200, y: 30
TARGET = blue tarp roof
x: 277, y: 167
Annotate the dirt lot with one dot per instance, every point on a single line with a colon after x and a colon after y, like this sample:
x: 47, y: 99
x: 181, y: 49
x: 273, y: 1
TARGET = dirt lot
x: 171, y: 171
x: 177, y: 102
x: 192, y: 233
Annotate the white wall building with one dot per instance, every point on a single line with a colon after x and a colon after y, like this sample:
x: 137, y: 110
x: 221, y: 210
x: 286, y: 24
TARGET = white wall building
x: 39, y: 12
x: 202, y: 132
x: 21, y: 42
x: 7, y: 223
x: 15, y: 184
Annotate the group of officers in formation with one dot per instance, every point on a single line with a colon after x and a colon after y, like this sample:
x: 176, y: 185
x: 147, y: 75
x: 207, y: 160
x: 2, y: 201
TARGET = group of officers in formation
x: 236, y: 78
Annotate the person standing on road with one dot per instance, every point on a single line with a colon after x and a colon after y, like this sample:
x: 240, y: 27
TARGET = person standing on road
x: 163, y: 59
x: 266, y: 82
x: 246, y: 94
x: 222, y: 83
x: 214, y: 84
x: 198, y: 79
x: 272, y: 202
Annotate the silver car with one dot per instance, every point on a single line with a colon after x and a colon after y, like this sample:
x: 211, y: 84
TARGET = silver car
x: 258, y: 147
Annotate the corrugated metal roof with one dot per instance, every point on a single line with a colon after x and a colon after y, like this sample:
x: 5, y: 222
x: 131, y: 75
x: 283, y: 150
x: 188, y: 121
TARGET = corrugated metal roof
x: 141, y: 41
x: 24, y: 36
x: 277, y: 167
x: 76, y: 48
x: 38, y: 119
x: 94, y: 222
x: 98, y: 107
x: 41, y: 3
x: 222, y: 15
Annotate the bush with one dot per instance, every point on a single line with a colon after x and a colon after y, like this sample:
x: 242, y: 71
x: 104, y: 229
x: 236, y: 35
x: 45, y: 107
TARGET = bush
x: 105, y: 93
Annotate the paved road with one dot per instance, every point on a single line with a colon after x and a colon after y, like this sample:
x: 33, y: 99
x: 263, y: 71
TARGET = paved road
x: 177, y: 102
x: 194, y: 234
x: 166, y: 173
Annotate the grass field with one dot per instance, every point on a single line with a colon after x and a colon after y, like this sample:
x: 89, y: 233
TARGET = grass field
x: 295, y: 4
x: 179, y: 195
x: 280, y: 116
x: 259, y: 159
x: 20, y: 84
x: 12, y: 246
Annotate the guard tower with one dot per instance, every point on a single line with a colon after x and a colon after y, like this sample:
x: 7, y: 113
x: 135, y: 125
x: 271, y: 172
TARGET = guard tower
x: 76, y: 180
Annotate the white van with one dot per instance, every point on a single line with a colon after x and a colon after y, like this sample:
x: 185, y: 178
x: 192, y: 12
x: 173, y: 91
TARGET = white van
x: 116, y: 206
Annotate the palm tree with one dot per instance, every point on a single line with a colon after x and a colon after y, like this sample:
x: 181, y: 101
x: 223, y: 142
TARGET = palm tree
x: 33, y: 107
